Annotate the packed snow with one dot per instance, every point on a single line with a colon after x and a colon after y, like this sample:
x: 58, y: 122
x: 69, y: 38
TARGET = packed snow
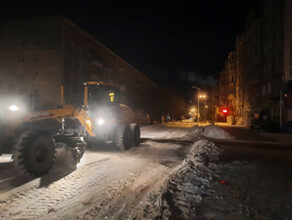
x: 160, y: 131
x: 184, y: 190
x: 210, y: 131
x: 175, y: 173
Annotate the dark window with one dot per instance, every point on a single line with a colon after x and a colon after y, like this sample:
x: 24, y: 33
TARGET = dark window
x: 38, y: 42
x: 20, y: 91
x: 290, y: 57
x: 77, y: 64
x: 232, y: 78
x: 21, y: 43
x: 67, y: 76
x: 69, y: 45
x: 21, y: 59
x: 68, y: 61
x: 256, y: 51
x: 269, y: 87
x: 20, y: 76
x: 265, y: 48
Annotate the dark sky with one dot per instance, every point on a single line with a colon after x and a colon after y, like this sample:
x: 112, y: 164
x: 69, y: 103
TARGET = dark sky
x: 167, y: 40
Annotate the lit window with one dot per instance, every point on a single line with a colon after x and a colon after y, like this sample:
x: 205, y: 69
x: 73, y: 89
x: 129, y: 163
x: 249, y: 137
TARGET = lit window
x: 112, y: 96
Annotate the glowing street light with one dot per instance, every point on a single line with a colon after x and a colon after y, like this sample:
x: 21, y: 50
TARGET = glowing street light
x: 204, y: 96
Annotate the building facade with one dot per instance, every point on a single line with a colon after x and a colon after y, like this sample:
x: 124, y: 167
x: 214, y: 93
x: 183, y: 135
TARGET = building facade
x: 38, y: 55
x: 263, y: 54
x: 226, y: 90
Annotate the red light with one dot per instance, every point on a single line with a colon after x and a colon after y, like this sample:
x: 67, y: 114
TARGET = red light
x: 225, y: 111
x: 223, y: 182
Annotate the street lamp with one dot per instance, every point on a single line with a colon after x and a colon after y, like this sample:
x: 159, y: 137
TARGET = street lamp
x: 203, y: 96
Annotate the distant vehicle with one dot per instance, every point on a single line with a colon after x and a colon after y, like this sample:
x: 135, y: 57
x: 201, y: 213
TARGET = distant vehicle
x: 262, y: 120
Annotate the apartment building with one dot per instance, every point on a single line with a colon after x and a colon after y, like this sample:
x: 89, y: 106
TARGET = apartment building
x: 38, y: 55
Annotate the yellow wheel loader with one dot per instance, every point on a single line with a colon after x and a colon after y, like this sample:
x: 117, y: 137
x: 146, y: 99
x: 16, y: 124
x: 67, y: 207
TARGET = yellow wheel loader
x: 112, y: 121
x: 33, y: 143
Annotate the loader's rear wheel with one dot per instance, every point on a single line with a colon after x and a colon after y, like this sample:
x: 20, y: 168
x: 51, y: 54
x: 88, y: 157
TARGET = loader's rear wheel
x: 123, y: 138
x: 34, y: 153
x: 136, y: 134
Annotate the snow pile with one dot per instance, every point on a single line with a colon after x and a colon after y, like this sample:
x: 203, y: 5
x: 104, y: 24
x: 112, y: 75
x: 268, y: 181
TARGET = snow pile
x: 159, y: 131
x: 210, y: 131
x: 213, y: 131
x: 187, y: 186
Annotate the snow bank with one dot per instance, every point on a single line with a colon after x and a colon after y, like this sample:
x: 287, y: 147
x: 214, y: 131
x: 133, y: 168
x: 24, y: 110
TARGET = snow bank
x: 210, y: 131
x: 213, y: 131
x: 159, y: 131
x: 187, y: 186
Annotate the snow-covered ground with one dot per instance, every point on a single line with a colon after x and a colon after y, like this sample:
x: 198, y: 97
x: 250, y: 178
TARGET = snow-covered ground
x: 174, y: 174
x: 187, y: 186
x: 160, y: 131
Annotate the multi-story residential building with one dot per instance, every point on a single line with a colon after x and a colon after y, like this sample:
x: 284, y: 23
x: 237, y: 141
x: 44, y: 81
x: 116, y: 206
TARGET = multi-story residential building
x: 226, y: 89
x: 239, y: 95
x: 263, y: 64
x: 38, y: 55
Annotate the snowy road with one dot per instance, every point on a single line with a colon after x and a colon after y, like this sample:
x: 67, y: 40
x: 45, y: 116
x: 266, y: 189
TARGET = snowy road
x: 107, y: 182
x: 173, y: 174
x: 256, y: 170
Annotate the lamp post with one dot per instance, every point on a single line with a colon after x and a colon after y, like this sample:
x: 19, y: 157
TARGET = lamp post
x: 194, y: 87
x: 205, y: 107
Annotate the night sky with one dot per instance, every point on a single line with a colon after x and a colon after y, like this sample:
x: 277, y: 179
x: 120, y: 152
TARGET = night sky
x: 166, y: 40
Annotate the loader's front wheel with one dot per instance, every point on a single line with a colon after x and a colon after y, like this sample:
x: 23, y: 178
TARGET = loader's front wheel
x: 136, y: 134
x: 123, y: 137
x: 34, y: 153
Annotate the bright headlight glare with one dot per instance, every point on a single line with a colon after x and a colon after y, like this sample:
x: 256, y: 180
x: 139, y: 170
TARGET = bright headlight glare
x: 14, y: 108
x: 100, y: 121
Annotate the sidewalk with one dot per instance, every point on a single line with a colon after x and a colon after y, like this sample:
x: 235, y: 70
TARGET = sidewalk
x: 243, y: 133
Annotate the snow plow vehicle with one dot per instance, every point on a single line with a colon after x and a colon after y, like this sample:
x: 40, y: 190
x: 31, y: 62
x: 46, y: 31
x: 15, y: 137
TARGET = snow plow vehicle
x: 33, y: 142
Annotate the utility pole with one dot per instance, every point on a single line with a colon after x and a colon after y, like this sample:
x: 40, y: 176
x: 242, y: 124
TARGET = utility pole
x: 205, y: 109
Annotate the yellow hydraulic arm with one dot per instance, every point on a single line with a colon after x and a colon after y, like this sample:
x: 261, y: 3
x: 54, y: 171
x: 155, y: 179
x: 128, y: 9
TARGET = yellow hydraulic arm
x: 66, y: 111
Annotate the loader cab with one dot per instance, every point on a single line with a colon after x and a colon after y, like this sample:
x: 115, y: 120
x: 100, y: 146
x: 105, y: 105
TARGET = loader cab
x: 102, y: 101
x: 101, y: 93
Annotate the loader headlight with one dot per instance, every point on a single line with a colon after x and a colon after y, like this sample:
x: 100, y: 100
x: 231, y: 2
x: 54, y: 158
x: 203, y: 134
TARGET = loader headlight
x: 14, y: 108
x: 100, y: 121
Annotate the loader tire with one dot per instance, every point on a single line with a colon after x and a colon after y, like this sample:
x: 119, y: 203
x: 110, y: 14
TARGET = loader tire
x: 123, y: 137
x: 136, y: 134
x: 34, y: 153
